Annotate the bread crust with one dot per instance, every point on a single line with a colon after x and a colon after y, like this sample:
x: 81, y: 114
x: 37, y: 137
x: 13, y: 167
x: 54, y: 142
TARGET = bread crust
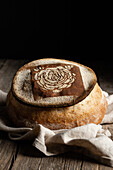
x: 52, y: 102
x: 90, y: 110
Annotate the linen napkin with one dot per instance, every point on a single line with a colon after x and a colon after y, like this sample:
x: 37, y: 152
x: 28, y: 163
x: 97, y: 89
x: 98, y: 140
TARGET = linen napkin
x: 93, y: 140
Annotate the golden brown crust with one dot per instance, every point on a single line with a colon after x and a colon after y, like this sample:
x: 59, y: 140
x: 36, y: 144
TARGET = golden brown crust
x: 90, y: 110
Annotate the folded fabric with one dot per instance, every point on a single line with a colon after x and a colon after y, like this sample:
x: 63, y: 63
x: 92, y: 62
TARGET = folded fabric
x: 92, y: 139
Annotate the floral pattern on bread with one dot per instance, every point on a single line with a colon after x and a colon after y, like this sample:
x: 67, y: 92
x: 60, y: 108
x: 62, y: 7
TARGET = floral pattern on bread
x: 55, y: 78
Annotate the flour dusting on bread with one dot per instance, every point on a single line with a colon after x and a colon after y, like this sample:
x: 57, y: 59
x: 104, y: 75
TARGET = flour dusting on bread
x: 53, y: 82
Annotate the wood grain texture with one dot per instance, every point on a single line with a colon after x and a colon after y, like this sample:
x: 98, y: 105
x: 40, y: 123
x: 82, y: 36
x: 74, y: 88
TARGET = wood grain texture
x: 19, y: 155
x: 7, y: 152
x: 30, y: 158
x: 2, y: 61
x: 8, y: 149
x: 88, y: 165
x: 104, y: 72
x: 103, y: 167
x: 7, y: 72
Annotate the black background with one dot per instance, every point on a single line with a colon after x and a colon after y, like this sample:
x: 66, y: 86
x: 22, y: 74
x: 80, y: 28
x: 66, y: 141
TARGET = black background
x: 36, y: 29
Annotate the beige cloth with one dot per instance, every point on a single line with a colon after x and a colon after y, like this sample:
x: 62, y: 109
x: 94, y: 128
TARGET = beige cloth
x: 93, y: 140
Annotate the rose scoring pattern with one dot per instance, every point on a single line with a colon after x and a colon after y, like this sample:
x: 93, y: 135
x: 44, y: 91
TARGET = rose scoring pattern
x: 55, y: 78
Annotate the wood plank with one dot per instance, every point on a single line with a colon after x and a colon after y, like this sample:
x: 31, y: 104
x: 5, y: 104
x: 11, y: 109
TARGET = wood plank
x: 73, y: 160
x: 8, y: 149
x: 89, y: 165
x: 7, y: 152
x: 30, y: 158
x: 106, y: 84
x: 64, y: 161
x: 103, y: 167
x: 2, y: 61
x: 104, y: 73
x: 7, y: 73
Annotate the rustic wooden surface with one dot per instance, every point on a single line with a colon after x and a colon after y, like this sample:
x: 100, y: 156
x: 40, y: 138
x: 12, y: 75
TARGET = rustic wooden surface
x: 22, y: 156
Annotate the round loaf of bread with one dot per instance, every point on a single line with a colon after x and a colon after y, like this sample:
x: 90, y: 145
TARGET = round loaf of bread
x: 58, y: 94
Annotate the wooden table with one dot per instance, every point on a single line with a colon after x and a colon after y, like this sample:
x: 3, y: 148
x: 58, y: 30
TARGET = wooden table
x: 18, y: 155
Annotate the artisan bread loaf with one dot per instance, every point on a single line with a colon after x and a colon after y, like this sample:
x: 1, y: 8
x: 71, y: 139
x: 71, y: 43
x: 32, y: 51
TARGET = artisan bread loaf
x: 58, y: 94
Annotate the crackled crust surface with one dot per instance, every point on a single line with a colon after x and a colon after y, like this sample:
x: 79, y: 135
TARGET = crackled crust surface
x: 90, y: 110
